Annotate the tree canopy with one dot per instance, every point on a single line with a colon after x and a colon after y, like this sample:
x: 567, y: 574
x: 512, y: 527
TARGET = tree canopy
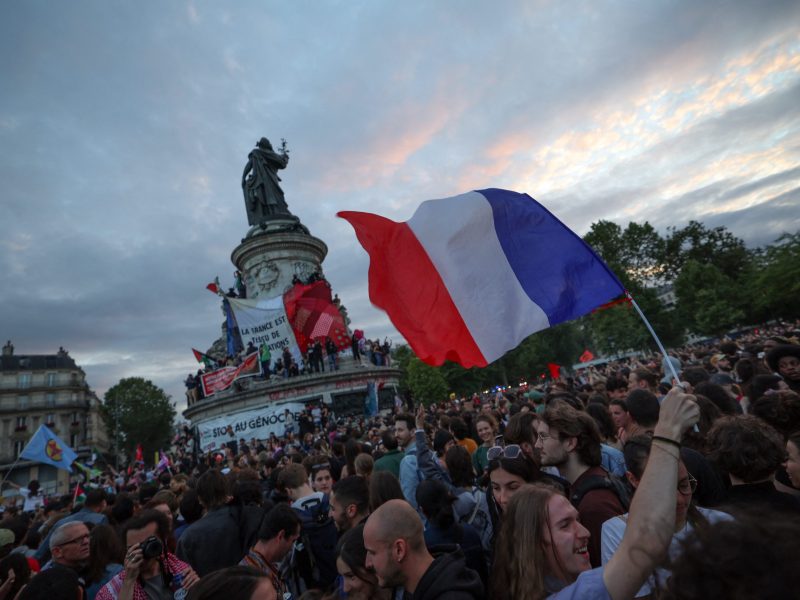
x: 136, y: 411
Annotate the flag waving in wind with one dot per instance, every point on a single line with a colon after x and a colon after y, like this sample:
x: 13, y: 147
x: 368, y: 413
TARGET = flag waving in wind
x: 46, y: 447
x: 467, y: 278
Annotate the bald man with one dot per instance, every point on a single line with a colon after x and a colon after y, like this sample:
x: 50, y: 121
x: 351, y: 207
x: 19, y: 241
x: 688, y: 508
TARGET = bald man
x: 395, y: 544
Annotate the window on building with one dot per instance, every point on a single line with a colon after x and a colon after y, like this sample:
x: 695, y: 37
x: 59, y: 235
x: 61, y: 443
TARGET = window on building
x: 51, y: 418
x: 50, y: 379
x: 73, y: 440
x: 24, y: 380
x: 50, y: 400
x: 75, y: 417
x: 23, y: 402
x: 19, y: 446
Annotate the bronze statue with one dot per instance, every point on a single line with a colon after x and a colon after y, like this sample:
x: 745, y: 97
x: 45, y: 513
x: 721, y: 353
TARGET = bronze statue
x: 263, y: 195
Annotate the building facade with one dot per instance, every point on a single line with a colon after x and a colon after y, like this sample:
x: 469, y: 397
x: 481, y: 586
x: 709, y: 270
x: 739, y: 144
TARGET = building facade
x: 46, y: 390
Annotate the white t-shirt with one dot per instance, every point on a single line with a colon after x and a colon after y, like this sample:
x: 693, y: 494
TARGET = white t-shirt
x: 614, y: 529
x: 31, y: 501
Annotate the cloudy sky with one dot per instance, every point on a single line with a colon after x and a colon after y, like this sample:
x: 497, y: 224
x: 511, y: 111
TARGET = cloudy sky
x: 125, y: 126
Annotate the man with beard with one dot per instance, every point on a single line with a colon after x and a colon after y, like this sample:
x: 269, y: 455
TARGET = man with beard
x: 396, y: 552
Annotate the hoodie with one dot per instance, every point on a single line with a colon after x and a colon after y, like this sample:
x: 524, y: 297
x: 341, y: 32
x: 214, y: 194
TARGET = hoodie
x: 448, y: 578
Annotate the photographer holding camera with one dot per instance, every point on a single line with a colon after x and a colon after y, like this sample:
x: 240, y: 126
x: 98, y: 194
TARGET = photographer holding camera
x: 150, y: 570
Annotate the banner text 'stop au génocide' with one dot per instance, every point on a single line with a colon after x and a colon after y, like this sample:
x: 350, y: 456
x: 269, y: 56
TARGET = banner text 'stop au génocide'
x: 257, y: 423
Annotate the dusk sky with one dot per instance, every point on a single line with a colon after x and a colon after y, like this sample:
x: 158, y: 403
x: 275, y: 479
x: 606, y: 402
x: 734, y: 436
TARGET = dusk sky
x: 125, y: 127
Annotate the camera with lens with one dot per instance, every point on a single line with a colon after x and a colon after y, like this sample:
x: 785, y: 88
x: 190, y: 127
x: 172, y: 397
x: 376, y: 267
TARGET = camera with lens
x: 151, y: 547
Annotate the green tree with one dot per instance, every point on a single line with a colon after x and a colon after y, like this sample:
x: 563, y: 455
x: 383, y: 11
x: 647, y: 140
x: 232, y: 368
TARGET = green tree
x: 635, y: 253
x: 717, y: 246
x: 138, y: 412
x: 708, y: 300
x: 426, y: 383
x: 775, y: 284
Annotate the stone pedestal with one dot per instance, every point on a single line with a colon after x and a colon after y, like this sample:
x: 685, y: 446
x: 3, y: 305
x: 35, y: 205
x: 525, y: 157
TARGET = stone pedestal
x: 272, y: 253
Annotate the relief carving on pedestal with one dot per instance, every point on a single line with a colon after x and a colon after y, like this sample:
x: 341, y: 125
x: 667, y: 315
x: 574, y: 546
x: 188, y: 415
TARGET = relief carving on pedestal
x: 303, y: 270
x: 264, y: 276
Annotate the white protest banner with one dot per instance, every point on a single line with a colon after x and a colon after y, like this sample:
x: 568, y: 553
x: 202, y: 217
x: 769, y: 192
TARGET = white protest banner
x: 264, y: 321
x: 224, y: 377
x: 257, y: 423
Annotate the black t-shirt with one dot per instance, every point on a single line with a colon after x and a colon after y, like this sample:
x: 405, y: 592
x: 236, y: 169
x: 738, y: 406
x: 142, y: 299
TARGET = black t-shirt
x: 155, y: 589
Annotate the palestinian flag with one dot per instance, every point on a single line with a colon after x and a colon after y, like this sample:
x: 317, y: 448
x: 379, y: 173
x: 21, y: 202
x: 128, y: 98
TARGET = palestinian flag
x: 79, y: 495
x: 203, y: 358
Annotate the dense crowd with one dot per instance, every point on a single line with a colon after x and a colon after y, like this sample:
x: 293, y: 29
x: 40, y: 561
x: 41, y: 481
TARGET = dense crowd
x: 283, y: 365
x: 618, y: 482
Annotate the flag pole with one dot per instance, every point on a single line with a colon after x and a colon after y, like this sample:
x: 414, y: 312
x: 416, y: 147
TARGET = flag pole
x: 655, y: 337
x: 11, y: 468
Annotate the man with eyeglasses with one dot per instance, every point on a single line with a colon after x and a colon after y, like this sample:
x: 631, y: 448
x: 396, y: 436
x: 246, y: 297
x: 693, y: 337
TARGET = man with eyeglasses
x: 92, y: 512
x: 69, y: 546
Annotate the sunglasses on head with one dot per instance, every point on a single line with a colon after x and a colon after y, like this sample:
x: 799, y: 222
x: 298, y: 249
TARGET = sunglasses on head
x: 511, y: 451
x: 321, y: 467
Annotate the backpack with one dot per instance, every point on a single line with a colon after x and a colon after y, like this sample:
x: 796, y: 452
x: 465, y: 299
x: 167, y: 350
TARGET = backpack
x: 602, y: 482
x: 479, y: 517
x: 312, y: 562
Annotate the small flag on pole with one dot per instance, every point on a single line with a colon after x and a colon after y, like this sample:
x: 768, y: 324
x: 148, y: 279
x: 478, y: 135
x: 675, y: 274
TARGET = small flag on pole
x: 79, y: 495
x: 586, y: 356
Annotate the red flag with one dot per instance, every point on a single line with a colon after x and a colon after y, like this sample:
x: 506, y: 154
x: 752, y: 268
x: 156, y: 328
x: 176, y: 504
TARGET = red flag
x: 555, y: 370
x: 313, y: 315
x: 586, y: 356
x: 213, y: 287
x: 139, y: 453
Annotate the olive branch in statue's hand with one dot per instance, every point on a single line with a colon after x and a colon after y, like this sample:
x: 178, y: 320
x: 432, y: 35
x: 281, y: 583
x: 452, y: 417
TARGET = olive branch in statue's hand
x: 284, y: 149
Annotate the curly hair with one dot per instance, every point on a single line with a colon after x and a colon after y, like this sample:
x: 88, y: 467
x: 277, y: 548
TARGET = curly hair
x: 745, y: 447
x: 781, y: 410
x: 750, y: 557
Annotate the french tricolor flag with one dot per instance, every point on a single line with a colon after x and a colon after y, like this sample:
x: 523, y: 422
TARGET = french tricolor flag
x: 467, y: 278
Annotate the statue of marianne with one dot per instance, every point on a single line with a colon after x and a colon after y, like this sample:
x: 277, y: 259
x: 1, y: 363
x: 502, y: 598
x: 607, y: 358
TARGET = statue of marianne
x: 263, y: 196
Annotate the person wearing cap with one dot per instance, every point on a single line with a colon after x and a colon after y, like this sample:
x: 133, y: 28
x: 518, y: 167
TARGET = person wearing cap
x: 721, y: 363
x: 785, y: 361
x: 6, y: 542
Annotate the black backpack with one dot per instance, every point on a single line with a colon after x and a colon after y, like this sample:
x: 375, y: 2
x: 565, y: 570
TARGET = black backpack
x: 312, y: 562
x: 601, y: 482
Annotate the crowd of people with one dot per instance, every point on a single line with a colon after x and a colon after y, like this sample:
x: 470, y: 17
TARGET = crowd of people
x: 618, y: 482
x: 283, y: 365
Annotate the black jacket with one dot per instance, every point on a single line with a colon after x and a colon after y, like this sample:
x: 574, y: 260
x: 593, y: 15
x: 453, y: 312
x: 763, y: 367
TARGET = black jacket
x: 220, y: 539
x: 448, y: 578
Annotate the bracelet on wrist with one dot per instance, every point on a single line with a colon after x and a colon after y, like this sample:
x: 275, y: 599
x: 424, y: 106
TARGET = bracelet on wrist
x: 666, y: 440
x: 666, y: 449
